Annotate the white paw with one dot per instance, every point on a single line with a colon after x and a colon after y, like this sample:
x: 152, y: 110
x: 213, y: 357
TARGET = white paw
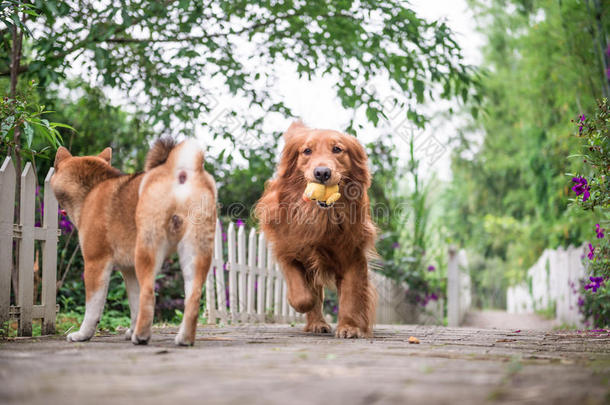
x: 128, y: 334
x: 139, y: 340
x: 181, y: 340
x: 78, y: 337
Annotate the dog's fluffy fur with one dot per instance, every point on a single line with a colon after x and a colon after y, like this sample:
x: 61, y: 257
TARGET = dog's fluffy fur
x: 318, y: 246
x: 134, y: 222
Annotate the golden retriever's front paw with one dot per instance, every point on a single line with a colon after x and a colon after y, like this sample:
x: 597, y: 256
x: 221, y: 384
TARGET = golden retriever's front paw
x: 318, y: 327
x: 349, y: 332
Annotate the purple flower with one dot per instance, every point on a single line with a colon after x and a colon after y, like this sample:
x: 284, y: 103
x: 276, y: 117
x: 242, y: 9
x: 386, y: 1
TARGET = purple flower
x: 64, y: 223
x: 595, y: 283
x: 224, y: 236
x: 66, y: 226
x: 608, y: 51
x: 239, y: 223
x: 581, y: 187
x: 600, y: 231
x: 395, y: 245
x: 581, y: 119
x: 431, y: 268
x: 591, y: 253
x: 581, y: 301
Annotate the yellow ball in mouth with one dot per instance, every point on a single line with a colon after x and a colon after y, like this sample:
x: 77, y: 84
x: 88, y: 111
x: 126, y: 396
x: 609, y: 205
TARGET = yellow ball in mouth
x: 322, y: 193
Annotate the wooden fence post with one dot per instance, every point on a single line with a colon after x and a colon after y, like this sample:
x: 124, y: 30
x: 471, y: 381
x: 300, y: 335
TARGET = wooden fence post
x: 277, y: 293
x: 269, y: 284
x: 241, y: 267
x: 252, y: 272
x: 221, y: 292
x: 262, y: 278
x: 232, y: 264
x: 25, y: 298
x: 7, y: 210
x: 49, y: 258
x: 453, y: 289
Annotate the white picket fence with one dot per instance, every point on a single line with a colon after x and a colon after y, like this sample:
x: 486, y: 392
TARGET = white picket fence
x: 459, y: 296
x: 553, y: 280
x: 27, y: 233
x: 248, y: 285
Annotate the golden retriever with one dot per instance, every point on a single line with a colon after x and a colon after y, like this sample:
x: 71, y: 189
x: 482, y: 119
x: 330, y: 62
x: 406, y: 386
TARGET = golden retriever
x: 316, y: 244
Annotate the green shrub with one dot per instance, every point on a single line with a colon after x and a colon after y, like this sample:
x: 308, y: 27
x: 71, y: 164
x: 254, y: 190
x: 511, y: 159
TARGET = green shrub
x: 592, y: 190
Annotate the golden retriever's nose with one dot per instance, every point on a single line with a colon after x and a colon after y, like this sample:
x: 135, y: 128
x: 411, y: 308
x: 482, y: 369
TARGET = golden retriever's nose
x: 322, y: 174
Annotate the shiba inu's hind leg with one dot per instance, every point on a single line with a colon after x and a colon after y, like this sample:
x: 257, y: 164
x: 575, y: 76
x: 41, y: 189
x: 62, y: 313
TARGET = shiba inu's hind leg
x: 149, y: 259
x: 133, y: 296
x: 195, y: 264
x: 97, y: 277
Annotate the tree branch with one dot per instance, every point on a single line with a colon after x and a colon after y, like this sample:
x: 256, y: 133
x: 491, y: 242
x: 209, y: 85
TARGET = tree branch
x: 21, y: 69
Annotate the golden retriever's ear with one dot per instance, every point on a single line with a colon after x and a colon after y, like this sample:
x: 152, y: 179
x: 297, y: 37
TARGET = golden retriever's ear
x: 106, y: 155
x: 359, y: 160
x: 289, y: 159
x: 295, y: 127
x: 62, y: 153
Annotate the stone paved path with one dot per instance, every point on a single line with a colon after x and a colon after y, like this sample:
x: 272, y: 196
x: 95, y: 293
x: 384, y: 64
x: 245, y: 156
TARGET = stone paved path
x: 278, y: 364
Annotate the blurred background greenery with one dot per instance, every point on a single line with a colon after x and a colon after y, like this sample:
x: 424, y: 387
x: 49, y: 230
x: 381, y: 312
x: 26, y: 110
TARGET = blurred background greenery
x: 544, y: 63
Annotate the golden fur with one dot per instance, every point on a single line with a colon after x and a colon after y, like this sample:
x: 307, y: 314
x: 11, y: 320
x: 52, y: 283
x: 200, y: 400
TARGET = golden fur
x: 317, y: 246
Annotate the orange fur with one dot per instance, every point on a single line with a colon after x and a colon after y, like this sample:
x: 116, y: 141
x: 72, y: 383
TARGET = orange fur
x: 134, y: 222
x: 316, y: 246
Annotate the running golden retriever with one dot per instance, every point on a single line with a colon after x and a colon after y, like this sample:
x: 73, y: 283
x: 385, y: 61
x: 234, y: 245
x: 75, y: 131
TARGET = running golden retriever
x: 318, y: 244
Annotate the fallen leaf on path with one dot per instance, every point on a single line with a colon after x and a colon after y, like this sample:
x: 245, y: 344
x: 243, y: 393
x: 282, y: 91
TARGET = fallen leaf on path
x: 414, y: 340
x: 506, y: 340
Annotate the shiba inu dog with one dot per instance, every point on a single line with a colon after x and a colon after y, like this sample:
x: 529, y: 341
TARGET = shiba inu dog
x: 133, y: 222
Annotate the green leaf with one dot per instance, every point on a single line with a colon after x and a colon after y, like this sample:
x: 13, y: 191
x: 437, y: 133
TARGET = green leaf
x: 373, y: 115
x: 29, y: 134
x: 59, y: 125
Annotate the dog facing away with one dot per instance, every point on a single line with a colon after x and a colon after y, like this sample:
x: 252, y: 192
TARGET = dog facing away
x: 133, y: 222
x: 316, y: 244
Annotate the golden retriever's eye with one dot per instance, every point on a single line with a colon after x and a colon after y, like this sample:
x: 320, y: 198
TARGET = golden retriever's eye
x: 307, y: 151
x: 337, y: 149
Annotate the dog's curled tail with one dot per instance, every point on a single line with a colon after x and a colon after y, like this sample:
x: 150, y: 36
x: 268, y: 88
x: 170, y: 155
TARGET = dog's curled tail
x: 159, y: 153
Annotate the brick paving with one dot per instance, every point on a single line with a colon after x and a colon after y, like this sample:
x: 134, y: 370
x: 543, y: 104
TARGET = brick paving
x: 279, y: 364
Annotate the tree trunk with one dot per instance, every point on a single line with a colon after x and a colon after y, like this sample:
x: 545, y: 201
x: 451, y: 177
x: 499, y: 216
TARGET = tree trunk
x: 15, y: 63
